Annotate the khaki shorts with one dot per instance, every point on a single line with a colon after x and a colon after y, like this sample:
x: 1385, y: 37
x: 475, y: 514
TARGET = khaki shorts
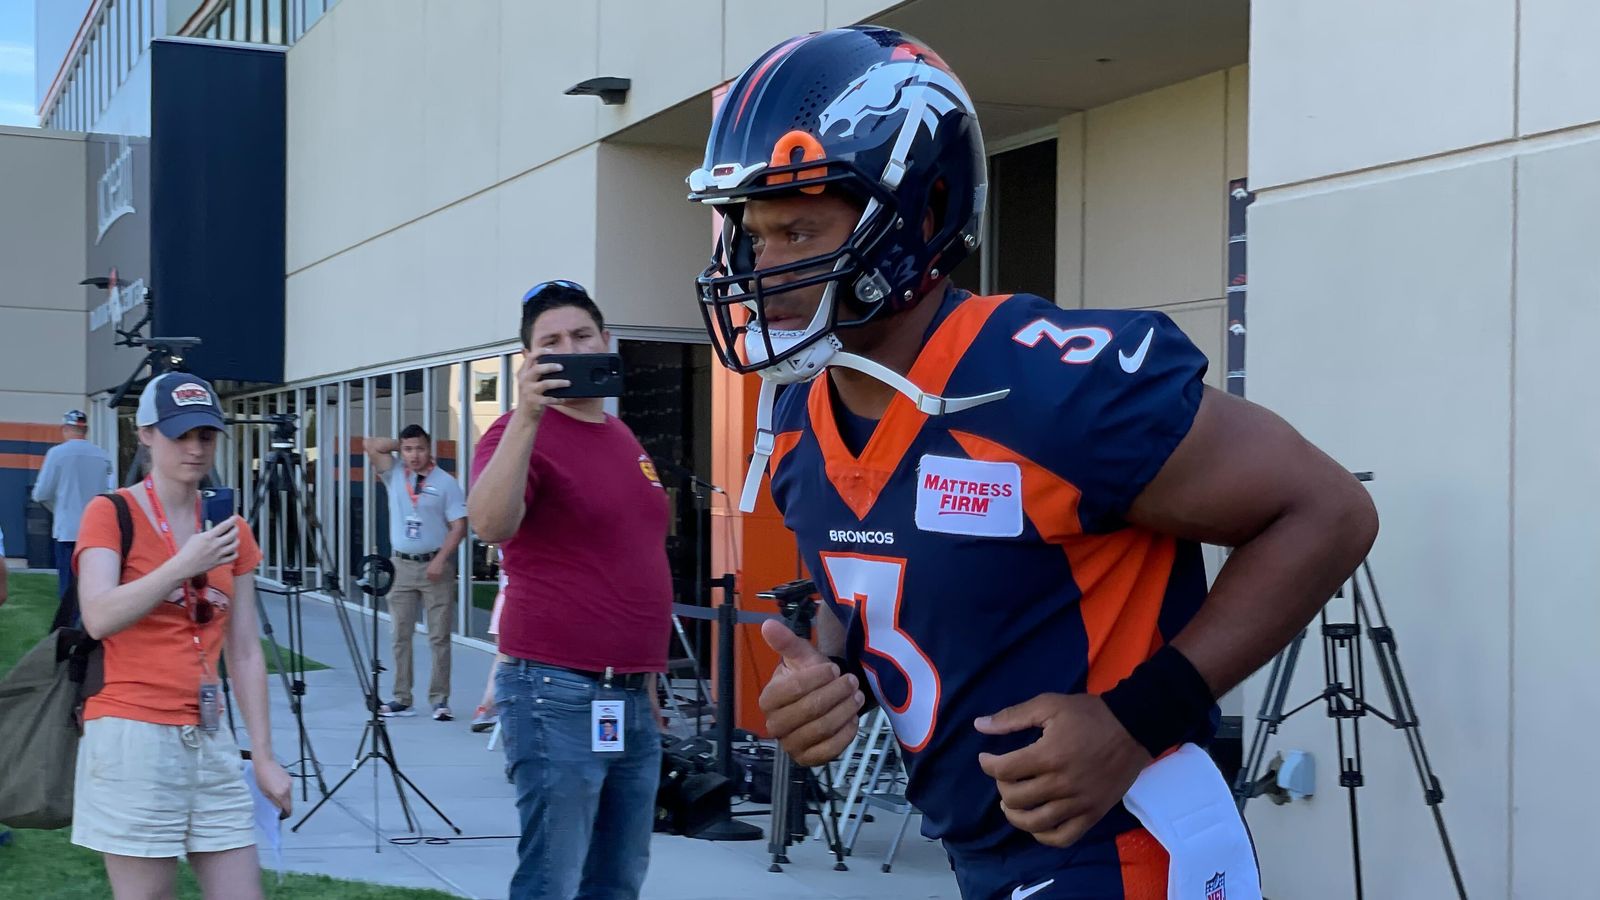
x: 159, y: 791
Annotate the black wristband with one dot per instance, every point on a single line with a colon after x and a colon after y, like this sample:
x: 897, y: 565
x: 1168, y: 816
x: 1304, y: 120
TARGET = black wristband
x: 870, y: 702
x: 1162, y: 701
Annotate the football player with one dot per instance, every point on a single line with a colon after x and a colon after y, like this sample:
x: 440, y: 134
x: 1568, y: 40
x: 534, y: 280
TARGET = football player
x: 1001, y: 501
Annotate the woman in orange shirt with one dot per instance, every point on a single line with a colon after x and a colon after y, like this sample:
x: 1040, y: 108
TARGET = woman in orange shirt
x: 157, y: 775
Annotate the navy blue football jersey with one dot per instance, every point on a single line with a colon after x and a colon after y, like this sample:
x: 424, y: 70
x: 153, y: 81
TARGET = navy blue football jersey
x: 980, y: 558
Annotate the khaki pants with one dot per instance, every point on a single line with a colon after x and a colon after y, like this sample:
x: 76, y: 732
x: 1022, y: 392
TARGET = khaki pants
x: 412, y: 589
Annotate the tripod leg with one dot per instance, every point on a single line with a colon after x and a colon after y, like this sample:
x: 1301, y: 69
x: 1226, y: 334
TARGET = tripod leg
x: 829, y: 817
x: 354, y: 768
x: 401, y: 777
x: 1387, y: 651
x: 385, y: 751
x: 1268, y: 719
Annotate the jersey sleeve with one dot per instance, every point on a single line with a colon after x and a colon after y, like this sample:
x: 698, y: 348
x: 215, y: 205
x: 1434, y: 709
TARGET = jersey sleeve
x: 1128, y: 386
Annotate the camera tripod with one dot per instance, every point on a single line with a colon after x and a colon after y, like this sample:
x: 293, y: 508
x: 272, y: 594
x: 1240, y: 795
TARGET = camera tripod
x: 377, y: 577
x: 1345, y: 696
x: 284, y: 472
x: 796, y: 790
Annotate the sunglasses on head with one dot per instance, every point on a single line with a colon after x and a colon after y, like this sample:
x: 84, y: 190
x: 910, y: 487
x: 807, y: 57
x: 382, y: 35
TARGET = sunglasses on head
x: 201, y: 611
x: 543, y: 286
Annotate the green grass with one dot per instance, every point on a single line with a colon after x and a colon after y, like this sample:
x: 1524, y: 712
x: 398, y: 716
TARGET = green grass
x: 25, y: 618
x: 46, y: 864
x: 483, y: 594
x: 307, y: 663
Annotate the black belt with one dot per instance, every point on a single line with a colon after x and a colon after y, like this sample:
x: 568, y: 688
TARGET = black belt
x: 417, y: 557
x: 628, y: 681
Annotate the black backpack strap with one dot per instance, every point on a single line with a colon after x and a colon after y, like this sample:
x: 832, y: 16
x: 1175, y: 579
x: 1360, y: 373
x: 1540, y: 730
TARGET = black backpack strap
x: 124, y: 522
x: 80, y: 646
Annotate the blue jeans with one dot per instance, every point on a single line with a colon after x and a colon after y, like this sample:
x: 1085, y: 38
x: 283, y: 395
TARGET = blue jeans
x: 63, y: 565
x: 587, y: 817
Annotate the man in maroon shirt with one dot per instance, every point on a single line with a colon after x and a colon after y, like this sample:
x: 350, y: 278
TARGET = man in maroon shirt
x: 572, y: 498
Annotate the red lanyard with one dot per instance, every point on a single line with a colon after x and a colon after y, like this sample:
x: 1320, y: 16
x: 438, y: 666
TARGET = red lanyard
x: 161, y: 518
x: 189, y: 599
x: 410, y: 490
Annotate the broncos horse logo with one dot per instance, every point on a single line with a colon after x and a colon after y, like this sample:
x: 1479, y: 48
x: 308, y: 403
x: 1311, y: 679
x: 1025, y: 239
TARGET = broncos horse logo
x: 924, y: 92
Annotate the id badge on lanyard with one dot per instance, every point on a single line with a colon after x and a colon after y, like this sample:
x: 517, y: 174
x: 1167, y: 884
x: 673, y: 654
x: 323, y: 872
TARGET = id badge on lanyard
x: 413, y: 522
x: 210, y: 704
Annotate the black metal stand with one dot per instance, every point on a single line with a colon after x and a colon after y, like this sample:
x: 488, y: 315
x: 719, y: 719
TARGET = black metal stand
x: 379, y: 574
x: 1347, y: 703
x: 283, y: 473
x: 278, y: 475
x: 796, y: 788
x: 702, y: 522
x: 728, y: 829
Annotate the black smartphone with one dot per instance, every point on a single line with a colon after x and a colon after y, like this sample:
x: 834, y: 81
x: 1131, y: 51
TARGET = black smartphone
x: 591, y: 374
x: 216, y: 505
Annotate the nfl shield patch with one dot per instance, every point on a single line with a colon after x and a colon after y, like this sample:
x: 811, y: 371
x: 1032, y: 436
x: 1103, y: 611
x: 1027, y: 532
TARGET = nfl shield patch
x: 1215, y: 889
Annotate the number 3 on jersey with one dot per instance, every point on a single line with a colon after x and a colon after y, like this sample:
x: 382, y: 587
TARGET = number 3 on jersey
x: 874, y: 586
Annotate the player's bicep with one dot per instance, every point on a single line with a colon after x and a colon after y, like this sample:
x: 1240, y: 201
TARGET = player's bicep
x: 1239, y: 468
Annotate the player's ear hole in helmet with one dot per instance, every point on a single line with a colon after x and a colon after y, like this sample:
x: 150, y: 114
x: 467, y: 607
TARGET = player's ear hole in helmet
x: 866, y: 113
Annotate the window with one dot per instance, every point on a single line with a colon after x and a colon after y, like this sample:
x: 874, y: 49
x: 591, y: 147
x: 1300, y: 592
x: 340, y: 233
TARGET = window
x: 273, y: 11
x: 355, y: 401
x: 1024, y: 220
x: 667, y: 407
x: 446, y: 403
x: 487, y: 378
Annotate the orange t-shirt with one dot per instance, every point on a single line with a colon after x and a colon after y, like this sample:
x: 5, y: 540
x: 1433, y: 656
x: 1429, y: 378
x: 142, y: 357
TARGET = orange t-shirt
x: 152, y: 672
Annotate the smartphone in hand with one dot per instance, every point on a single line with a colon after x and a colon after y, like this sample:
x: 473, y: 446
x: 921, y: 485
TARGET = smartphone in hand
x: 591, y: 374
x: 216, y: 505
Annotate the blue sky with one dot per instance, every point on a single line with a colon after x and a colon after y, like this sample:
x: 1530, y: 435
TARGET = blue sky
x: 16, y: 63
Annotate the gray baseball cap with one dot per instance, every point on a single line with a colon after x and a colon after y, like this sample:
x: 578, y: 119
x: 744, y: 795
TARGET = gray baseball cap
x: 177, y: 403
x: 74, y: 417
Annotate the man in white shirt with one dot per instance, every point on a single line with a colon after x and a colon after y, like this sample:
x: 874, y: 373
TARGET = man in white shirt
x: 427, y: 521
x: 74, y: 472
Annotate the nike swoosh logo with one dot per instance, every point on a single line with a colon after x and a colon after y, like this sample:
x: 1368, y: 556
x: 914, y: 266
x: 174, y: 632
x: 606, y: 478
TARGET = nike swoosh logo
x: 1131, y: 364
x: 1020, y: 893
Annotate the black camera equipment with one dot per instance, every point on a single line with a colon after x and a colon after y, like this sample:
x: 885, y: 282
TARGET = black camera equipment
x: 796, y: 790
x: 296, y: 528
x: 1344, y: 694
x: 377, y: 577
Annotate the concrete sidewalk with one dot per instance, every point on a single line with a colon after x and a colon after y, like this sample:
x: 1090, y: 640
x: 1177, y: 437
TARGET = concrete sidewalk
x: 453, y: 768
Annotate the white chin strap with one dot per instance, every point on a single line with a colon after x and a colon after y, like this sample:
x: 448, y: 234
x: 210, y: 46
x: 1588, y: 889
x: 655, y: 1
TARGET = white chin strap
x: 929, y: 404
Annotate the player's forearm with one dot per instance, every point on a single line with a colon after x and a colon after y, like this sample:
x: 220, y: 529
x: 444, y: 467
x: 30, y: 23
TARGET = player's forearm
x: 1273, y: 585
x: 495, y: 506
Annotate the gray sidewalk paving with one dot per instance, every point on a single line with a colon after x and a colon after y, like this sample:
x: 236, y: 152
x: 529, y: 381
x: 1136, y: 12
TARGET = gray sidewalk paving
x: 453, y: 768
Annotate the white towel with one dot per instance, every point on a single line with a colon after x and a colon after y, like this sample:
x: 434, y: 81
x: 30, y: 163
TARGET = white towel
x: 1184, y: 803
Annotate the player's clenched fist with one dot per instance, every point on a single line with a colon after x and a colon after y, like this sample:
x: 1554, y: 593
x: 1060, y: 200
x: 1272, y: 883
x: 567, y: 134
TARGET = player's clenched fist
x: 810, y: 707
